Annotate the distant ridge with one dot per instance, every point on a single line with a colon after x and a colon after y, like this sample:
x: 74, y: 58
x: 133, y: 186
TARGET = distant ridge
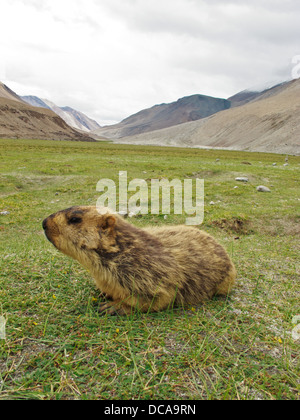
x: 247, y: 96
x: 6, y: 92
x: 35, y: 101
x: 72, y: 117
x: 189, y: 108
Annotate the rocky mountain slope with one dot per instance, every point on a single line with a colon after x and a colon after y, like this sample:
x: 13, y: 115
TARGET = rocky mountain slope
x: 6, y: 92
x: 186, y: 109
x: 72, y: 117
x: 247, y: 96
x: 269, y: 123
x: 20, y: 120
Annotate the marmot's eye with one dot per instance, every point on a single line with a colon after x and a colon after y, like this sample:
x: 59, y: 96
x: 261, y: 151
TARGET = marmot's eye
x: 75, y: 220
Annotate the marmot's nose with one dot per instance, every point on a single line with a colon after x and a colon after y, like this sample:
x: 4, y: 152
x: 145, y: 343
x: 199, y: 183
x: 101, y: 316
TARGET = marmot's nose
x: 45, y: 224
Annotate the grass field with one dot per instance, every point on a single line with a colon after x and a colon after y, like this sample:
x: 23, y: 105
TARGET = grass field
x: 58, y: 346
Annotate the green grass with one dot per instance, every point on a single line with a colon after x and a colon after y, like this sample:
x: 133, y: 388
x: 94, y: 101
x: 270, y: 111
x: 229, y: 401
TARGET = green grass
x: 59, y: 347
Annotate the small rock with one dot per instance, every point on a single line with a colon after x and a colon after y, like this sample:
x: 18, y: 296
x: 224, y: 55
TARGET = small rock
x: 165, y: 217
x: 262, y: 188
x: 286, y: 164
x: 296, y: 319
x: 235, y: 187
x: 5, y: 213
x: 296, y: 333
x: 212, y: 203
x: 217, y: 160
x: 274, y: 164
x: 122, y: 213
x: 242, y: 179
x: 132, y: 214
x: 296, y: 330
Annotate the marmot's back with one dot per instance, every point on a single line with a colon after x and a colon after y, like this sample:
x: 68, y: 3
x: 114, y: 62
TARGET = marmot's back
x: 206, y: 266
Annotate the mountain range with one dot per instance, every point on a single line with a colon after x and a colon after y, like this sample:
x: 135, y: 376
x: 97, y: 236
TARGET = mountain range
x: 267, y: 121
x: 73, y: 118
x: 21, y: 120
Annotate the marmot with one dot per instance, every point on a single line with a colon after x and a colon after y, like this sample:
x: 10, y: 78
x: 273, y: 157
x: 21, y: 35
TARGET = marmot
x: 149, y: 269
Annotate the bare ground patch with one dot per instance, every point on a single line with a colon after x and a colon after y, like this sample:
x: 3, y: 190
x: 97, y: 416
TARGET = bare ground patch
x: 234, y: 225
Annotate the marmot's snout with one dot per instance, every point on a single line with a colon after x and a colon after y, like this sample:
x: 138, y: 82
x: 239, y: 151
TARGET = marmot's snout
x: 50, y: 229
x: 45, y: 224
x: 46, y: 229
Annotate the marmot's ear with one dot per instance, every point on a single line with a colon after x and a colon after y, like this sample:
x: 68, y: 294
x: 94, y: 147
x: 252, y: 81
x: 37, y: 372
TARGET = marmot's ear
x: 109, y: 222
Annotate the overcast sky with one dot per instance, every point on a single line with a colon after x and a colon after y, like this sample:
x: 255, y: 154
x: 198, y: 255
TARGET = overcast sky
x: 112, y: 58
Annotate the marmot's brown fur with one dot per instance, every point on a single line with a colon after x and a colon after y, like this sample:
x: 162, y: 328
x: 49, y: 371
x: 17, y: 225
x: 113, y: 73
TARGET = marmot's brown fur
x: 150, y: 269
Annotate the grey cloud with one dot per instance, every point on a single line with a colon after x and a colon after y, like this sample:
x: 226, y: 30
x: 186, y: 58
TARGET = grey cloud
x: 202, y: 16
x: 118, y: 57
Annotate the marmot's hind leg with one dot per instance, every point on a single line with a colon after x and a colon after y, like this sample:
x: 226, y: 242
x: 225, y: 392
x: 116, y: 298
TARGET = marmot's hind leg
x: 225, y: 287
x: 103, y: 295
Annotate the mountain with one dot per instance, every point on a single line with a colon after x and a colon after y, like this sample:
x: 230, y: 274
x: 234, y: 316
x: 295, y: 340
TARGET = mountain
x: 247, y: 96
x: 35, y: 101
x: 186, y: 109
x: 6, y: 92
x: 268, y: 123
x: 72, y: 117
x: 83, y: 121
x: 21, y: 120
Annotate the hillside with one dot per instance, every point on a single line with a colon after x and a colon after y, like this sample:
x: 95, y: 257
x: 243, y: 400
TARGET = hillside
x: 271, y: 123
x: 247, y: 96
x: 72, y: 117
x: 186, y: 109
x: 7, y: 93
x: 20, y: 120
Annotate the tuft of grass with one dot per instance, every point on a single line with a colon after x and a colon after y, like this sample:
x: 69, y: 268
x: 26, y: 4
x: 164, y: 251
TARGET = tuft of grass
x: 58, y: 346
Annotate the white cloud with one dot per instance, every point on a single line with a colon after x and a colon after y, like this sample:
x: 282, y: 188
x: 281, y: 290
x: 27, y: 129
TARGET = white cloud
x: 110, y: 58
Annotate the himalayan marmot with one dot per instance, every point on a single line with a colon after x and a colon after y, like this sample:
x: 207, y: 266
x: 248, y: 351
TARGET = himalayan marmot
x: 150, y: 269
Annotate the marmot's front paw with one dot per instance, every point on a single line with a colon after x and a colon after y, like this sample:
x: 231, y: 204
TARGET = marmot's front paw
x: 111, y: 308
x: 107, y: 308
x: 104, y: 295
